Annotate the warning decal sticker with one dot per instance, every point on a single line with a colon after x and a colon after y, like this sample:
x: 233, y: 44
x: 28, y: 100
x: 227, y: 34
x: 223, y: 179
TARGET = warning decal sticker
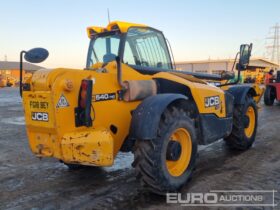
x: 62, y: 102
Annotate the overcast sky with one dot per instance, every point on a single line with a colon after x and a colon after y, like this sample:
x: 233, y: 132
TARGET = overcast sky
x: 196, y: 29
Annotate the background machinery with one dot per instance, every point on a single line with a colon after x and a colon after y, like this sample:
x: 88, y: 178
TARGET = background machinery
x: 130, y: 98
x: 272, y: 91
x: 3, y: 81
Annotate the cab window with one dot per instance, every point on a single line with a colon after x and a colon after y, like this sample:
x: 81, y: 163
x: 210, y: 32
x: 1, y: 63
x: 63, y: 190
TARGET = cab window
x: 147, y: 48
x: 103, y: 49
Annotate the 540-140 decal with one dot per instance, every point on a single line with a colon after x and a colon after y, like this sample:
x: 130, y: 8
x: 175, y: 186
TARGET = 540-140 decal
x: 104, y: 97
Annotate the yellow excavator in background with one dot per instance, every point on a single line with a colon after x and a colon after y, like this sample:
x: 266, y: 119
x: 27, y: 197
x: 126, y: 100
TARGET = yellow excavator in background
x: 255, y: 75
x: 130, y: 98
x: 3, y: 81
x: 11, y: 81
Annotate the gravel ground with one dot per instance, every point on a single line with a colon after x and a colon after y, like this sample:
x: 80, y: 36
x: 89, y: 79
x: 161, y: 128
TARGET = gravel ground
x: 27, y: 182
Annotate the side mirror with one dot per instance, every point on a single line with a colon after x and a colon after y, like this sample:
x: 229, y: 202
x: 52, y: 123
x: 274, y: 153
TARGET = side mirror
x: 245, y: 54
x: 36, y: 55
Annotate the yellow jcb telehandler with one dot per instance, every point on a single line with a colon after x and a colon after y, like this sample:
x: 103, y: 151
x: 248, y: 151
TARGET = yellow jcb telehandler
x: 130, y: 98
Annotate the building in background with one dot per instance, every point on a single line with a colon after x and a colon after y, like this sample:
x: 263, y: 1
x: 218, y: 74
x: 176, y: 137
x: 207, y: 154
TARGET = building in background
x: 217, y: 66
x: 9, y: 72
x: 255, y: 72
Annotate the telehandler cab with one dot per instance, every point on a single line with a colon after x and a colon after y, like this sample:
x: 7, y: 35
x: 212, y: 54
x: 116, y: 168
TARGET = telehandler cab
x: 130, y: 98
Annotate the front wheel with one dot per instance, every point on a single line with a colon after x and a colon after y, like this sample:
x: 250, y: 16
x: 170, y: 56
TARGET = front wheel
x: 245, y: 122
x: 166, y: 163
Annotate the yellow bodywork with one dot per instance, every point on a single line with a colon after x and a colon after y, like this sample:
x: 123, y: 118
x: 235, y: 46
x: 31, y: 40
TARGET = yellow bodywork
x: 97, y: 145
x: 258, y: 89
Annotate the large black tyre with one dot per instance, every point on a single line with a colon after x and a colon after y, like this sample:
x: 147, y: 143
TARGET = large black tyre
x: 269, y: 95
x: 154, y: 167
x: 245, y: 123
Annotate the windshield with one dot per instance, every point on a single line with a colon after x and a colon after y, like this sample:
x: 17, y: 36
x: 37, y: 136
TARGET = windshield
x: 103, y: 49
x: 146, y: 47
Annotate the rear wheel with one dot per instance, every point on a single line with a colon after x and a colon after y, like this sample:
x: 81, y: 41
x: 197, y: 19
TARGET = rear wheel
x: 245, y: 122
x: 269, y: 96
x: 166, y: 163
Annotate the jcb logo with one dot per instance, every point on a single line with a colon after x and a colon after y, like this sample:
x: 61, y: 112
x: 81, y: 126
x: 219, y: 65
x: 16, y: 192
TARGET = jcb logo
x: 40, y: 116
x: 212, y: 101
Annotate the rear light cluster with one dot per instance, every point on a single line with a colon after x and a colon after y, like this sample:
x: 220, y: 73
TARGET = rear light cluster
x: 83, y: 111
x: 83, y: 94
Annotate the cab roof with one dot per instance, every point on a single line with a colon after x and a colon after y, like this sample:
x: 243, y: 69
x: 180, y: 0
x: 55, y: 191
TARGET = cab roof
x: 115, y: 25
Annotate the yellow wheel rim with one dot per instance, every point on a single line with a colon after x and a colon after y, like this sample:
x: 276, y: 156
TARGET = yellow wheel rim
x: 177, y: 168
x: 252, y: 121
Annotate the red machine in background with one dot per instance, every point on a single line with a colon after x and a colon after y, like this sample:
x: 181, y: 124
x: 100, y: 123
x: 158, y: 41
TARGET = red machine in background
x: 272, y: 91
